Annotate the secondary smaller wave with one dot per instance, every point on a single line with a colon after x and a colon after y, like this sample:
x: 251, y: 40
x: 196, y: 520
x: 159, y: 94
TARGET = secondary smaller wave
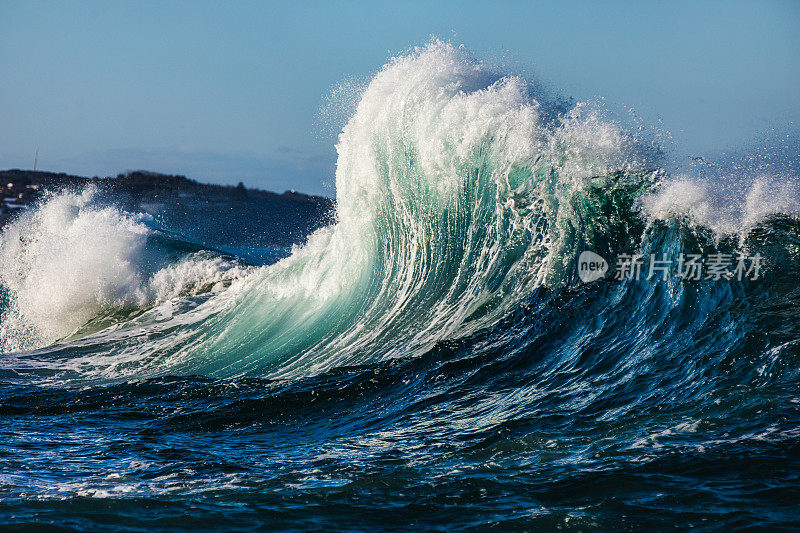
x: 73, y: 260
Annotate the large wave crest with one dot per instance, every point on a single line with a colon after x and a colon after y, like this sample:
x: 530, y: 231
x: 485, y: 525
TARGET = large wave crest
x: 460, y: 191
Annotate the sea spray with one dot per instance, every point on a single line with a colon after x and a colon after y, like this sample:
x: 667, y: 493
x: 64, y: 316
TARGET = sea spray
x: 72, y: 259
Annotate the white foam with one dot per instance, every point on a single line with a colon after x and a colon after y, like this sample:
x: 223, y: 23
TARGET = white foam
x: 70, y: 259
x: 727, y: 205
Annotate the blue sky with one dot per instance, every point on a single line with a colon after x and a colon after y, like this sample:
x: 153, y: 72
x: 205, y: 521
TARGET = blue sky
x: 230, y: 91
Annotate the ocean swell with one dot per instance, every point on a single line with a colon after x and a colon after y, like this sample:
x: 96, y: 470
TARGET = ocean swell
x: 462, y: 194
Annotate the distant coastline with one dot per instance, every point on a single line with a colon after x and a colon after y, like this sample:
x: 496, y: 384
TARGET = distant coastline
x: 178, y: 197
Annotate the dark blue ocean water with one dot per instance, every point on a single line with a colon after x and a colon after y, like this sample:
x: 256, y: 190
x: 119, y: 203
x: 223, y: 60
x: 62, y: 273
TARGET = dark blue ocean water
x: 613, y: 405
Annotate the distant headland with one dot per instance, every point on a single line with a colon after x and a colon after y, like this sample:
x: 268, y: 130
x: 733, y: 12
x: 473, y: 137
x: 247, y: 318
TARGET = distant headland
x: 235, y: 213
